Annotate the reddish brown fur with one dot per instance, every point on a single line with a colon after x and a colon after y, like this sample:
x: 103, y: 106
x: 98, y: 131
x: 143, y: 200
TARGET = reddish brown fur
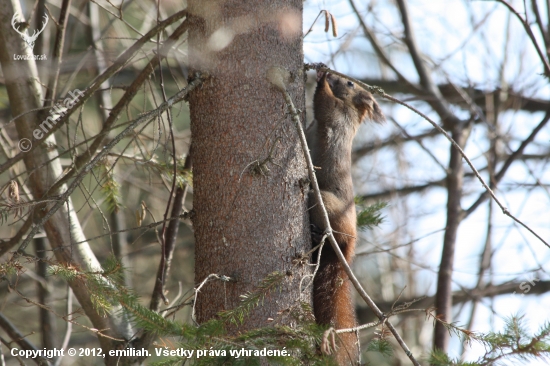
x: 339, y: 110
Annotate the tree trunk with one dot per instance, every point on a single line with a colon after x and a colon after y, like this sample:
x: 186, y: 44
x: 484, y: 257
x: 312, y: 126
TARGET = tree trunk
x: 444, y: 295
x: 250, y: 216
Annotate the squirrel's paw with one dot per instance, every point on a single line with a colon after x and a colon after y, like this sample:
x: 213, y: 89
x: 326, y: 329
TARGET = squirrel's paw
x: 316, y: 234
x: 320, y: 73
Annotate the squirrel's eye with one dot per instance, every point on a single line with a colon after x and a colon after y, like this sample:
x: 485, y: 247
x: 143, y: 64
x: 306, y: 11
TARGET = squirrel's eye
x: 350, y: 84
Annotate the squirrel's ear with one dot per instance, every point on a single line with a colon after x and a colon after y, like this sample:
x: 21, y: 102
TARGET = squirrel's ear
x: 368, y: 108
x: 377, y: 115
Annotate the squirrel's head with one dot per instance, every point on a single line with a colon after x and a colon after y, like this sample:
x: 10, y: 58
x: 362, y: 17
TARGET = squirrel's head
x: 355, y: 97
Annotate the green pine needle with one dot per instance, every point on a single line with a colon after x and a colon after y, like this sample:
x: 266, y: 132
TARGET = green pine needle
x: 109, y: 186
x: 381, y: 346
x: 370, y: 216
x: 252, y: 300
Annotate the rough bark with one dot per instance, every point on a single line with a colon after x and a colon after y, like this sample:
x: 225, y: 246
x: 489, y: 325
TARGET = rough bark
x: 250, y: 209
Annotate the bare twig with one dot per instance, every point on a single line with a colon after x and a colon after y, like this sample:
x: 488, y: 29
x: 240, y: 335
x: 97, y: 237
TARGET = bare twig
x: 69, y: 329
x: 20, y: 339
x: 99, y: 332
x: 144, y: 227
x: 119, y: 63
x: 379, y: 49
x: 419, y: 142
x: 393, y: 139
x: 44, y: 291
x: 317, y: 265
x: 538, y: 19
x: 178, y: 97
x: 198, y: 288
x: 167, y: 248
x: 532, y: 37
x: 169, y: 239
x: 437, y: 102
x: 57, y: 53
x: 454, y: 143
x: 327, y: 17
x: 5, y: 246
x: 516, y: 154
x: 122, y: 104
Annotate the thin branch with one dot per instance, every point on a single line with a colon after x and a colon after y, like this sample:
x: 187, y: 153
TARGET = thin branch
x: 438, y: 103
x: 402, y: 191
x: 69, y: 329
x: 317, y: 265
x: 471, y: 294
x: 516, y: 154
x: 119, y: 243
x: 57, y: 54
x: 380, y: 50
x: 44, y: 292
x: 119, y: 63
x: 122, y: 104
x: 119, y: 15
x: 99, y: 332
x: 162, y: 272
x: 538, y: 19
x: 484, y: 258
x: 489, y: 191
x: 185, y: 215
x: 5, y: 246
x: 178, y: 97
x: 198, y: 288
x: 394, y: 139
x: 312, y: 24
x: 508, y: 99
x: 532, y: 37
x: 169, y: 240
x: 20, y: 339
x: 419, y: 142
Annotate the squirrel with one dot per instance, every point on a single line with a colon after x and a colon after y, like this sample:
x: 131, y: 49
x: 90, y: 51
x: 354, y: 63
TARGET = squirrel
x: 340, y: 107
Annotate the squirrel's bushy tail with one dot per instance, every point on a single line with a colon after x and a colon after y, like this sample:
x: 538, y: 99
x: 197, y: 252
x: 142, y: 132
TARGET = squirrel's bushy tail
x: 332, y: 305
